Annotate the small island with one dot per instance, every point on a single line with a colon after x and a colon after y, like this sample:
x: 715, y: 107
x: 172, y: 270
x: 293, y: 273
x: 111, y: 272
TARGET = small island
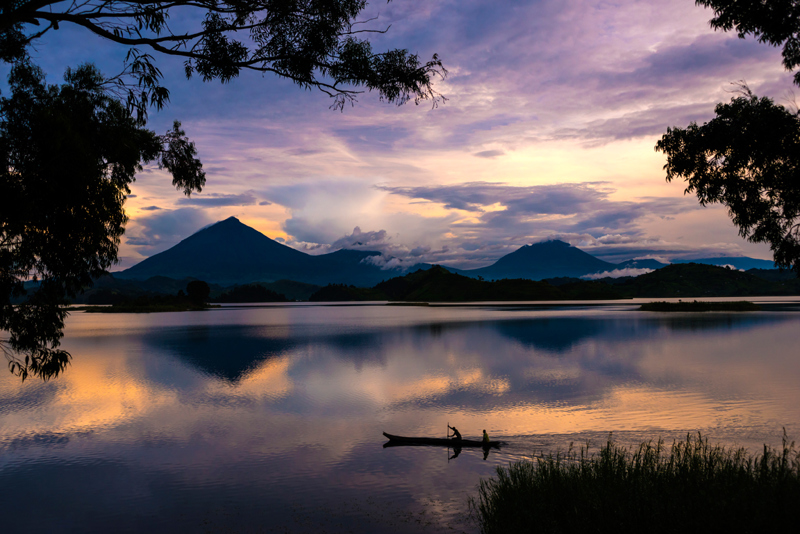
x: 700, y: 306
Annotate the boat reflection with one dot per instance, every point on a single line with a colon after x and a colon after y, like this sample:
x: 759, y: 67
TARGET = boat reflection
x: 451, y: 443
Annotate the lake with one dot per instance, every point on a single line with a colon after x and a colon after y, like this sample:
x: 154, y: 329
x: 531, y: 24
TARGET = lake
x: 270, y: 418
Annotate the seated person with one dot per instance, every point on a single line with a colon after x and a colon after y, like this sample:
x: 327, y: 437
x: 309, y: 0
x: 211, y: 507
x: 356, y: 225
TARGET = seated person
x: 456, y: 433
x: 485, y: 436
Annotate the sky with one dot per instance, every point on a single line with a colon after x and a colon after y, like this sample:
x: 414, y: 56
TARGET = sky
x: 548, y: 132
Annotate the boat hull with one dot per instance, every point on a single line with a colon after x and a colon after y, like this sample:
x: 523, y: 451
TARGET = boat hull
x: 448, y: 442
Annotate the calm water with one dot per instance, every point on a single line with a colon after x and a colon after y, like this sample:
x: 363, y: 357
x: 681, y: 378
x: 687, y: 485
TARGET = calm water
x: 269, y: 419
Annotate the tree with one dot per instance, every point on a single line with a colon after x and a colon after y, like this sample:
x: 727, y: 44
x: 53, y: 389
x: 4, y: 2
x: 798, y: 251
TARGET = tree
x: 70, y: 152
x: 67, y: 157
x: 315, y: 43
x: 776, y: 22
x: 747, y: 158
x: 198, y: 291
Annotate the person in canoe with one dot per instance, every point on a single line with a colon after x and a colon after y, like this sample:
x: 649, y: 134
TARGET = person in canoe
x: 485, y: 437
x: 456, y: 433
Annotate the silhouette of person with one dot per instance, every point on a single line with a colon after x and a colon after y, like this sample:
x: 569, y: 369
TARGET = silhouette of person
x: 485, y: 437
x: 456, y: 433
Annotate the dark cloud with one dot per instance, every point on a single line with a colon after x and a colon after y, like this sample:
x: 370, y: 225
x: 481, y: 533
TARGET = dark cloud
x: 372, y: 137
x: 308, y: 231
x: 489, y: 153
x: 361, y: 240
x: 165, y: 229
x: 419, y: 251
x: 477, y: 196
x: 583, y: 214
x: 644, y: 123
x: 708, y: 56
x: 215, y: 200
x: 265, y: 203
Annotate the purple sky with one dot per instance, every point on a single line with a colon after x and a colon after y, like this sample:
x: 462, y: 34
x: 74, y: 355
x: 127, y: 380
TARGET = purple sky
x: 554, y: 107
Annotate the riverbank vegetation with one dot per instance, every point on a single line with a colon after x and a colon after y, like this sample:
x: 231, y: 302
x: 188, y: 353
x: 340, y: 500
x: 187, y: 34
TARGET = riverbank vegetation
x: 691, y: 486
x: 700, y: 306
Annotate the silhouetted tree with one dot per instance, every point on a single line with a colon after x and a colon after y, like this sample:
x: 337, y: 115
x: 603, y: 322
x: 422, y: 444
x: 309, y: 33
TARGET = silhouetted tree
x: 198, y: 291
x: 67, y: 156
x: 747, y: 158
x: 776, y: 22
x: 311, y: 42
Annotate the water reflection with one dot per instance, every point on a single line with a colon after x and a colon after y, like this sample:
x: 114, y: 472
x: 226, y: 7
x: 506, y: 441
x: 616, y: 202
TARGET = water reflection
x: 273, y: 418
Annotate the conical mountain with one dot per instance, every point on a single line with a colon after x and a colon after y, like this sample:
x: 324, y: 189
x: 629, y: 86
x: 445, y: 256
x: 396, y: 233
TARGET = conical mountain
x: 230, y: 252
x: 548, y: 259
x: 225, y: 253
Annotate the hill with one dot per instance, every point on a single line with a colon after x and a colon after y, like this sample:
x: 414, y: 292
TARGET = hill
x: 438, y: 284
x: 693, y: 280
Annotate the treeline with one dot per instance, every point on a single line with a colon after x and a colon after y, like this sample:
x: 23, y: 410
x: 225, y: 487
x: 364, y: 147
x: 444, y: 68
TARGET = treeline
x: 437, y: 284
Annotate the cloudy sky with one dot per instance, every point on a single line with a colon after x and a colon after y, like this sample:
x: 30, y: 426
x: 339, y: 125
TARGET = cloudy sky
x: 553, y: 109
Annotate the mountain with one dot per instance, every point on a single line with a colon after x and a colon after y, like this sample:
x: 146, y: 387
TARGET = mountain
x: 230, y: 252
x: 739, y: 262
x: 549, y: 259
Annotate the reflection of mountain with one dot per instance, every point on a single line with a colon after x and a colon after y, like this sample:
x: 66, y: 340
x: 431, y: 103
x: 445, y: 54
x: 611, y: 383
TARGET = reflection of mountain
x: 555, y: 335
x: 230, y: 352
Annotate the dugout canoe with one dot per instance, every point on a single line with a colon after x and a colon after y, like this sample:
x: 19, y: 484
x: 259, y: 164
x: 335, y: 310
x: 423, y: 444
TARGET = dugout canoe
x: 448, y: 442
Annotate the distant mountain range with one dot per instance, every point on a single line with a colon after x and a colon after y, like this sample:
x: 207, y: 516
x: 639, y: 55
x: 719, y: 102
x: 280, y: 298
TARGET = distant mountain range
x: 738, y: 262
x: 230, y: 253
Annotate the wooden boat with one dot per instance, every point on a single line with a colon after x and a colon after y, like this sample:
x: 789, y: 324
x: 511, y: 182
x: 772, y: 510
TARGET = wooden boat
x: 449, y: 442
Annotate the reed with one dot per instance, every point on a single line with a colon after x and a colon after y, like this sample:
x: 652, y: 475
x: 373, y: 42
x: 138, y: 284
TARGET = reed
x: 691, y: 486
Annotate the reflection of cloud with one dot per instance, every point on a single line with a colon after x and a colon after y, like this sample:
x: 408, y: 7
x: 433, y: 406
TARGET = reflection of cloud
x: 215, y: 200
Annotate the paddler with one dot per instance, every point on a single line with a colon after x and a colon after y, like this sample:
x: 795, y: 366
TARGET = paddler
x: 456, y: 433
x: 485, y: 437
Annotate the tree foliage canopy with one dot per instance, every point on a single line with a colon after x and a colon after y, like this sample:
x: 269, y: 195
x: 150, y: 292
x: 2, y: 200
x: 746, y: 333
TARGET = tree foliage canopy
x: 747, y: 158
x: 67, y: 156
x: 776, y: 22
x: 315, y: 43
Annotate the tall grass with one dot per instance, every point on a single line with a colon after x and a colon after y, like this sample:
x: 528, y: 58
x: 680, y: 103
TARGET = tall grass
x: 690, y: 487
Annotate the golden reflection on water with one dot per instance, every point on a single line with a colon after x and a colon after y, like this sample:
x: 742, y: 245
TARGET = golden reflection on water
x: 284, y: 408
x: 415, y: 384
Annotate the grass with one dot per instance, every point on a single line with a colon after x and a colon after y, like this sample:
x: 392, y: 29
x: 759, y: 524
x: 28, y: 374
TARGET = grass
x: 691, y: 487
x: 700, y: 306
